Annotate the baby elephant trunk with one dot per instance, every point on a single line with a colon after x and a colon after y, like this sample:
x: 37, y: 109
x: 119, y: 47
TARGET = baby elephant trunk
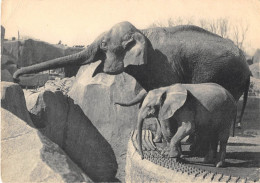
x: 139, y: 137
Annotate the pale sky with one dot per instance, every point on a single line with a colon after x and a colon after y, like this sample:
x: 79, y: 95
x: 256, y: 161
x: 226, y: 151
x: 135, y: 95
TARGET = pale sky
x: 81, y: 21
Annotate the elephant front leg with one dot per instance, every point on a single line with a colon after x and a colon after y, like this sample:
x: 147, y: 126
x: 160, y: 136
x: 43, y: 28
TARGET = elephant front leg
x: 185, y: 129
x: 158, y: 136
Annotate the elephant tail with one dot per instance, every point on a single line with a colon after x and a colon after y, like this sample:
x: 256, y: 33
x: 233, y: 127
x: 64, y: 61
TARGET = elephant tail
x: 244, y: 102
x: 138, y: 99
x: 234, y: 123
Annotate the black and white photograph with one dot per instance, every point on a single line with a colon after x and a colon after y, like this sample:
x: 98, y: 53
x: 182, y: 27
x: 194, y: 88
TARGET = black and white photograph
x: 130, y: 91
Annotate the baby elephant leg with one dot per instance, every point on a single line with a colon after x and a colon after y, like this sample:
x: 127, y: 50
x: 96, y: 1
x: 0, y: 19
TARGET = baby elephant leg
x: 222, y: 154
x: 223, y: 138
x: 185, y: 129
x: 212, y: 151
x: 158, y: 136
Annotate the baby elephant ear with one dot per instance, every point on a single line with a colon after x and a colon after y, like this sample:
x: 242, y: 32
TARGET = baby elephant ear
x: 175, y: 98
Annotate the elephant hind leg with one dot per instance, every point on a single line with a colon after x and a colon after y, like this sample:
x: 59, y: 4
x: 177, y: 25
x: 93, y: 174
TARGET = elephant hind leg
x: 223, y: 138
x: 222, y: 154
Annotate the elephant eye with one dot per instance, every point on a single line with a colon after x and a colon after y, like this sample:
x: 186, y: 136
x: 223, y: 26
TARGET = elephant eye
x: 128, y: 36
x: 128, y: 44
x: 103, y: 45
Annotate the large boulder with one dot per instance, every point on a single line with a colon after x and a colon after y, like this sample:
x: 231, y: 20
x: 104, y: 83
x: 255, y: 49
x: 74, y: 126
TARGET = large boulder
x: 96, y: 97
x: 11, y: 68
x: 26, y: 155
x: 8, y: 62
x: 6, y: 76
x: 12, y: 99
x: 58, y: 118
x: 7, y: 68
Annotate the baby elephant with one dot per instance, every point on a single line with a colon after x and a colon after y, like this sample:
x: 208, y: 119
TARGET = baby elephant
x: 182, y: 109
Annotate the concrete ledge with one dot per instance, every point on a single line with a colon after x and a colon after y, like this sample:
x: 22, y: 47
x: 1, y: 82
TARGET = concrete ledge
x: 156, y: 168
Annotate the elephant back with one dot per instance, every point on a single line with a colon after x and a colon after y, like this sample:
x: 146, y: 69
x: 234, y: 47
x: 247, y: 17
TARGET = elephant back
x: 212, y: 96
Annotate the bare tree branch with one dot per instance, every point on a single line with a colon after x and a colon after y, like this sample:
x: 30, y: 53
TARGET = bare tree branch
x: 239, y: 34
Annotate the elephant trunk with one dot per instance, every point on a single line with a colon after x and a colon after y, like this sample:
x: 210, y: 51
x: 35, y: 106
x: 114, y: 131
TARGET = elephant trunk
x: 81, y: 58
x: 139, y: 136
x: 141, y: 95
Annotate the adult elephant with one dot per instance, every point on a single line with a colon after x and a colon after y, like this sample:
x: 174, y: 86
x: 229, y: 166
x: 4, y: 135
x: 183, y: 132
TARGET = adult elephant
x: 162, y: 56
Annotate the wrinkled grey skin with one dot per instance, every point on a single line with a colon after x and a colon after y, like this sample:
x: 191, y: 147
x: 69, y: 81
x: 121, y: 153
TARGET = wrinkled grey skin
x: 162, y: 56
x: 183, y: 109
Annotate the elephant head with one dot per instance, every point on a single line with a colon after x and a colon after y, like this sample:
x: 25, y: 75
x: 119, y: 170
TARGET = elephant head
x: 117, y: 48
x: 161, y: 103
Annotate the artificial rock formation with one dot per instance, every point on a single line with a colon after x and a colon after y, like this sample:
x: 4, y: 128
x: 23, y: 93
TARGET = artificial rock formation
x: 26, y: 155
x: 27, y: 52
x: 6, y: 76
x: 58, y: 118
x: 7, y: 67
x: 96, y: 97
x: 12, y: 99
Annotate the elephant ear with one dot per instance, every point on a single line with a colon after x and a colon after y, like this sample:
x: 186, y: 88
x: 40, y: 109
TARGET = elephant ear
x: 153, y: 97
x: 137, y: 50
x: 175, y: 99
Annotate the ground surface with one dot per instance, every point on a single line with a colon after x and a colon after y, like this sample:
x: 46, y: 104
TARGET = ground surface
x: 243, y: 157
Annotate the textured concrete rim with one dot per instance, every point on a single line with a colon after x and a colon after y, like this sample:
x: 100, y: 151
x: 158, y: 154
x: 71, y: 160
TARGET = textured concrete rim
x: 156, y: 164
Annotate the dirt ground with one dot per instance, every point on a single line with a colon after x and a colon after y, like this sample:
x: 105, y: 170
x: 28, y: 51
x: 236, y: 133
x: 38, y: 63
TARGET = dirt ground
x: 242, y: 159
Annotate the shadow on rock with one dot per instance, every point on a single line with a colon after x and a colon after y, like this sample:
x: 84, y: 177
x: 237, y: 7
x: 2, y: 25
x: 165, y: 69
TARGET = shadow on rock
x: 59, y: 119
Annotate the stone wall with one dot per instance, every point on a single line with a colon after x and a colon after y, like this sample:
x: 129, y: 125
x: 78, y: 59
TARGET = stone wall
x: 28, y: 52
